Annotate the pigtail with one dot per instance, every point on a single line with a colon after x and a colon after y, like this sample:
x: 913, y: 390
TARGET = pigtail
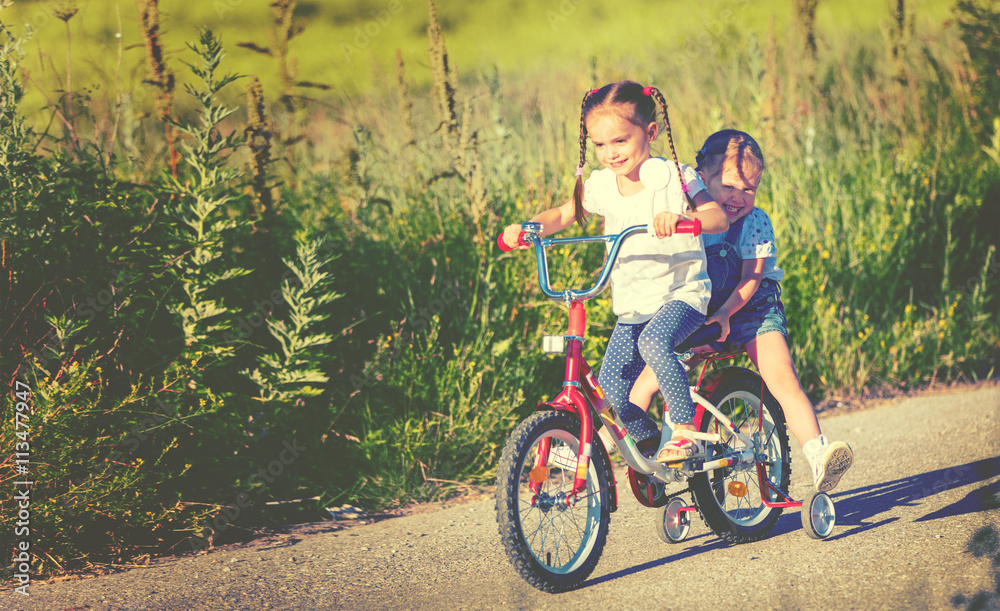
x: 653, y: 91
x: 580, y: 213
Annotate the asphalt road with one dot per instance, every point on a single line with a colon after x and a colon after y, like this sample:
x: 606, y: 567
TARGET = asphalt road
x: 926, y: 480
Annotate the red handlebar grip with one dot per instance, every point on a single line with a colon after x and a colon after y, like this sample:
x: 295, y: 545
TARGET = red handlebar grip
x: 503, y: 246
x: 692, y: 227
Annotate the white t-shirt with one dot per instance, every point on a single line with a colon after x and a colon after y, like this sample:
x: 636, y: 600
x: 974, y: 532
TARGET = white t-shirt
x: 649, y: 271
x: 756, y: 242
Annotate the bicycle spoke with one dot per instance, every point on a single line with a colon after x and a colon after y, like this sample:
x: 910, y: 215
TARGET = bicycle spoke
x: 734, y: 501
x: 744, y: 416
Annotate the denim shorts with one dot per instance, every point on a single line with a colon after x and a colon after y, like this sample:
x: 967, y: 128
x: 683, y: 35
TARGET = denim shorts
x: 764, y: 313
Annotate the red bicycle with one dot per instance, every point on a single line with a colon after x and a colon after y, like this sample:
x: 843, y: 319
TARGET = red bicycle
x: 556, y: 487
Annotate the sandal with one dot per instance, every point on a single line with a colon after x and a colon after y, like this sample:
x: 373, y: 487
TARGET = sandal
x: 688, y: 442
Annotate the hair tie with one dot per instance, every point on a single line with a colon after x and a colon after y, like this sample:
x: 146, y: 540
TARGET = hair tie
x: 684, y: 187
x: 593, y: 91
x: 647, y: 90
x: 579, y: 170
x: 701, y: 155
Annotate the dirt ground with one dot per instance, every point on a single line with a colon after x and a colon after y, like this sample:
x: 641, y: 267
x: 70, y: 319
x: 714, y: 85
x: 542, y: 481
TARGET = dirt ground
x: 294, y: 532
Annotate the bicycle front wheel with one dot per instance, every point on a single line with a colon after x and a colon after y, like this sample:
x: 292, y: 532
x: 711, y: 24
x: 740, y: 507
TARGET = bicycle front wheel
x: 553, y: 540
x: 731, y: 500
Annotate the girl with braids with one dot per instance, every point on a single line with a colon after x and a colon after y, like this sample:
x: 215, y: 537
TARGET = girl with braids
x: 659, y: 287
x: 746, y: 298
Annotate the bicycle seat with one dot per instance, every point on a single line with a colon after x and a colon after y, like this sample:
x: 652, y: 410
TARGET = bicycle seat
x: 704, y: 335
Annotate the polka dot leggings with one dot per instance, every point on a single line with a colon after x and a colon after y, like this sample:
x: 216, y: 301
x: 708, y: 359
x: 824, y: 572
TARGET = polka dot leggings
x: 631, y: 347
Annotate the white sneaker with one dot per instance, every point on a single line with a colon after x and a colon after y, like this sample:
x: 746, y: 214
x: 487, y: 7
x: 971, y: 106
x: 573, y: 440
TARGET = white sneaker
x: 829, y: 461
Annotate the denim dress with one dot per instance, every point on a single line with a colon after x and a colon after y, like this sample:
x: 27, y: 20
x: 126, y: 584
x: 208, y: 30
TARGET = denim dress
x: 764, y: 312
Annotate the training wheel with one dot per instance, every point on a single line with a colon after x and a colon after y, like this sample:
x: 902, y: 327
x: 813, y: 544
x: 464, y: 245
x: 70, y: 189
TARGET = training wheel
x: 674, y: 524
x: 818, y: 515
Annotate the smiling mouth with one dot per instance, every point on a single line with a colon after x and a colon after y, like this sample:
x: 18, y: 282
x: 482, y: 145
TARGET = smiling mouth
x: 617, y: 164
x: 731, y: 209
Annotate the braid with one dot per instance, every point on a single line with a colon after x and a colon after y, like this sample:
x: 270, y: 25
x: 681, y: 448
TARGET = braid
x: 581, y: 214
x: 670, y: 140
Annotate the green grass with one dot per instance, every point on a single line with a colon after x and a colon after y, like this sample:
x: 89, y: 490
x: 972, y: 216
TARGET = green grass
x: 532, y: 41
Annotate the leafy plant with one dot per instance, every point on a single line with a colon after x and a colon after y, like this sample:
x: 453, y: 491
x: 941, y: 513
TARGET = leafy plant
x: 199, y: 206
x: 285, y: 376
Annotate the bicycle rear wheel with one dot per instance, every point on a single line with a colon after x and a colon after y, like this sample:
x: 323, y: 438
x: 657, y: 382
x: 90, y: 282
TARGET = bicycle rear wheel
x: 553, y: 541
x: 730, y: 499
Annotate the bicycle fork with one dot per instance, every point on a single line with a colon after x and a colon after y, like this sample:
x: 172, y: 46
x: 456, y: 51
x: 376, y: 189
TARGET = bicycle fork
x: 580, y: 391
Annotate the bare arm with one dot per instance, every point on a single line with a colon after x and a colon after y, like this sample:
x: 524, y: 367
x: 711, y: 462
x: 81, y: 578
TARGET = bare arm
x: 553, y: 220
x: 750, y: 278
x: 713, y: 218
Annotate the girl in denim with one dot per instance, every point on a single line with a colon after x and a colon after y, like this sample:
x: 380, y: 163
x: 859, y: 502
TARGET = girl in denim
x: 746, y: 302
x: 764, y: 312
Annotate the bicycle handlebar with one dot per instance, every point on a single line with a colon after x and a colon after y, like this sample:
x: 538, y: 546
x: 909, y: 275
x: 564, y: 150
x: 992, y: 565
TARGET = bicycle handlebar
x: 530, y: 235
x: 692, y: 227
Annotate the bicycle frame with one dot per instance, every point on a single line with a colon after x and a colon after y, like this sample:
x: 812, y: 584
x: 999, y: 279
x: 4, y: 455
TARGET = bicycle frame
x: 583, y: 395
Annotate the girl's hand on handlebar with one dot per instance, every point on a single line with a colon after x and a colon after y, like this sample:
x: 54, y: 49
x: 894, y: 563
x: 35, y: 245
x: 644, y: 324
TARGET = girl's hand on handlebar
x: 665, y: 224
x: 723, y: 321
x: 510, y: 236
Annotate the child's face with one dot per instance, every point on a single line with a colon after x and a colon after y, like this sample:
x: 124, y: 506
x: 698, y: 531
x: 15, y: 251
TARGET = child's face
x: 621, y: 145
x: 734, y: 190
